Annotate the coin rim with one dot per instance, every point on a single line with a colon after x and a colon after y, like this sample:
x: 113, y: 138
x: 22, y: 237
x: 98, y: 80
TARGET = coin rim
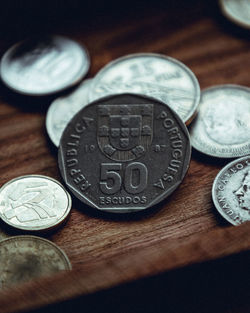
x: 194, y: 79
x: 221, y: 156
x: 216, y: 204
x: 38, y: 228
x: 238, y: 22
x: 75, y: 81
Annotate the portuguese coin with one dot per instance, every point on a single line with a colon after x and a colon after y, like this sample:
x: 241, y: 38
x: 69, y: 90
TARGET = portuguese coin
x: 222, y: 125
x: 44, y: 66
x: 231, y: 191
x: 155, y: 75
x: 34, y: 203
x: 63, y: 109
x: 238, y: 11
x: 24, y: 258
x: 124, y: 153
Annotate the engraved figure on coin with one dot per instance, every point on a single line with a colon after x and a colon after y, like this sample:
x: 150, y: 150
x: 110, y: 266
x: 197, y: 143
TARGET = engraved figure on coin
x: 243, y: 193
x: 30, y: 202
x: 125, y: 132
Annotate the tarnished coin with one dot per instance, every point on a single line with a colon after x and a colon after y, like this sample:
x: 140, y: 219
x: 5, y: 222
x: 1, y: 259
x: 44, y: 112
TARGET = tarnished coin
x: 63, y: 109
x: 238, y: 11
x: 231, y: 191
x: 34, y: 202
x: 222, y: 125
x: 124, y: 153
x: 24, y: 258
x: 44, y: 66
x: 154, y: 75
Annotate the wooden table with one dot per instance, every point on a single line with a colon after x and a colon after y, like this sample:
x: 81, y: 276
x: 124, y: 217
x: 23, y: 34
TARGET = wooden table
x: 179, y: 257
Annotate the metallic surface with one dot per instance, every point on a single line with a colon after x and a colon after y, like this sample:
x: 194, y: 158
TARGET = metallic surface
x: 222, y: 125
x: 24, y: 258
x: 124, y: 153
x: 34, y: 202
x: 63, y: 109
x: 238, y: 11
x: 154, y: 75
x: 231, y: 191
x: 44, y: 66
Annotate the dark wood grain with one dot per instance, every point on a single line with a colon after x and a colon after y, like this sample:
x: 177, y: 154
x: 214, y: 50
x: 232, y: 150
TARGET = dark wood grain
x: 194, y: 33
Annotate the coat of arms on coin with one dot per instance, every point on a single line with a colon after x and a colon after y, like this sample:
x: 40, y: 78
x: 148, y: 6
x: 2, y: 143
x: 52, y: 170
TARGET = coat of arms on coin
x: 124, y: 153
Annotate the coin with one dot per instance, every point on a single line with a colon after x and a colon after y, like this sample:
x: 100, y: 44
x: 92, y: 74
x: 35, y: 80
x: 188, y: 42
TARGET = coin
x: 63, y: 109
x: 231, y: 191
x: 154, y: 75
x: 24, y: 258
x: 238, y: 11
x: 34, y: 202
x: 124, y: 153
x: 44, y: 66
x: 222, y: 125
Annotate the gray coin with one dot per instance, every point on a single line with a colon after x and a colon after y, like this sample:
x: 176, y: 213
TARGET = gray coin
x: 231, y: 191
x: 222, y: 125
x: 63, y: 109
x: 238, y: 11
x: 24, y: 258
x: 44, y: 66
x: 34, y: 202
x: 154, y: 75
x: 124, y: 153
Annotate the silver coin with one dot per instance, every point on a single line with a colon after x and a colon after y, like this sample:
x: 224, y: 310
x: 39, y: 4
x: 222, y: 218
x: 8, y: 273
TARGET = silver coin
x: 155, y: 75
x: 231, y: 191
x: 44, y: 66
x: 63, y: 109
x: 238, y: 11
x: 222, y: 125
x: 24, y: 258
x: 34, y: 202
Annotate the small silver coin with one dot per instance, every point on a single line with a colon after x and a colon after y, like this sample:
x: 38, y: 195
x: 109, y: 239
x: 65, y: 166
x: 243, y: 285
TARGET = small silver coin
x: 222, y: 125
x: 238, y: 11
x: 154, y: 75
x: 34, y: 203
x: 231, y: 191
x: 24, y: 258
x: 63, y: 109
x: 44, y: 66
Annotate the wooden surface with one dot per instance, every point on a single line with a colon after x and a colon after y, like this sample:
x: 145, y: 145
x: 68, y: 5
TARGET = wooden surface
x: 186, y: 227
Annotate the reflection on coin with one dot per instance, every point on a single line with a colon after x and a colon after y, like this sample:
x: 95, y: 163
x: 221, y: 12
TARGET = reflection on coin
x: 154, y: 75
x: 124, y: 153
x: 222, y: 125
x: 24, y: 258
x: 34, y: 202
x: 63, y: 109
x: 238, y: 11
x: 231, y: 191
x: 44, y: 66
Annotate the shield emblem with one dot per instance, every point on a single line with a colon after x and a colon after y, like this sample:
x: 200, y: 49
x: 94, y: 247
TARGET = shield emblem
x: 125, y: 131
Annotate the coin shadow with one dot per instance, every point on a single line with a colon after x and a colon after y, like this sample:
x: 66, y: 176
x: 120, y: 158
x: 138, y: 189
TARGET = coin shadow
x: 206, y: 159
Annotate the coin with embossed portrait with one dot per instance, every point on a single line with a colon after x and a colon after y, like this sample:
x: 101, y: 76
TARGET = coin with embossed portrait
x: 231, y: 191
x: 154, y: 75
x: 24, y: 258
x: 124, y: 153
x: 44, y: 66
x: 238, y: 11
x: 34, y: 203
x: 63, y: 109
x: 222, y: 125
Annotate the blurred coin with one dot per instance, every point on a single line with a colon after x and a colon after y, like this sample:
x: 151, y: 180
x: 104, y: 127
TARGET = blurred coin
x: 124, y: 153
x: 43, y: 66
x: 34, y: 202
x: 222, y: 125
x: 231, y: 191
x: 238, y: 11
x: 24, y: 258
x: 154, y: 75
x: 63, y: 109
